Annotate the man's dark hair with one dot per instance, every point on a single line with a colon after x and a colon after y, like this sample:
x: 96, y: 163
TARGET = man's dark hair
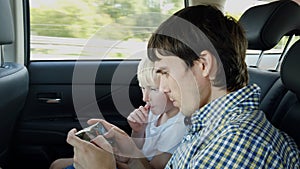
x: 193, y: 29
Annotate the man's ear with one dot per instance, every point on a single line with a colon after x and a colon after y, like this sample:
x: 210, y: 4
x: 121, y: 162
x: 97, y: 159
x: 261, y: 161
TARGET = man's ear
x: 207, y: 64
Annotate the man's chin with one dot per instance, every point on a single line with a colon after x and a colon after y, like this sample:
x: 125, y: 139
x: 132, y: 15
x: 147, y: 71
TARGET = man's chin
x: 187, y: 112
x: 176, y: 104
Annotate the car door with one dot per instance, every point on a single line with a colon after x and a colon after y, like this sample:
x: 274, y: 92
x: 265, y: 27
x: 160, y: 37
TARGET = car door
x: 50, y: 113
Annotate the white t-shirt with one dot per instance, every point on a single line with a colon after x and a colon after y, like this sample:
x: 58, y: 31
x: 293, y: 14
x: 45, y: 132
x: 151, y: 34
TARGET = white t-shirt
x: 163, y: 138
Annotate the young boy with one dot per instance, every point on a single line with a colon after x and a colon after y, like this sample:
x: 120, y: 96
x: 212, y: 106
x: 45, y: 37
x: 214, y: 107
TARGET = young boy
x: 153, y: 125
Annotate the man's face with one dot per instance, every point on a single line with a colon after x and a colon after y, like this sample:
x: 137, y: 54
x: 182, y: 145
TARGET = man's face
x: 180, y: 83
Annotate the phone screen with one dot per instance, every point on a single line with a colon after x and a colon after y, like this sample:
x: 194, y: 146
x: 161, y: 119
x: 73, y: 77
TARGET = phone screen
x: 91, y: 131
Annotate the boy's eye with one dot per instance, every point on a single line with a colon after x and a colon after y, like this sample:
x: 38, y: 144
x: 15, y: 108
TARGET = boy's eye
x: 154, y: 89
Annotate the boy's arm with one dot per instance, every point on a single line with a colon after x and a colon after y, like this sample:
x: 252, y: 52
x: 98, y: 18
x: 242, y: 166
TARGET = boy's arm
x: 138, y: 120
x: 138, y: 138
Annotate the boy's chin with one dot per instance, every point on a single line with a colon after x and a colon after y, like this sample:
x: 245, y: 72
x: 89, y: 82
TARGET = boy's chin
x: 156, y: 112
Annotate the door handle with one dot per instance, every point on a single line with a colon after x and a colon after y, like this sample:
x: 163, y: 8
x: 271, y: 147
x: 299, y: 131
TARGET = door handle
x: 50, y: 100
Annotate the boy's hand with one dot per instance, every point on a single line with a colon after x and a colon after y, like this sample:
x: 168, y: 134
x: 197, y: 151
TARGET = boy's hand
x: 138, y: 119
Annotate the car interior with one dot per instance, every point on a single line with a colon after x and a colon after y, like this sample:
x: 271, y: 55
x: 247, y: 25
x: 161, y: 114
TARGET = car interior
x: 14, y: 84
x: 41, y: 100
x: 264, y: 33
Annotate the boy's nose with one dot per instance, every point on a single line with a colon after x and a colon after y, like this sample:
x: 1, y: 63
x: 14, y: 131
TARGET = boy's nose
x: 146, y: 96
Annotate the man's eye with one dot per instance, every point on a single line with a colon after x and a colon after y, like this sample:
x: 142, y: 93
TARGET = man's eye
x: 164, y: 73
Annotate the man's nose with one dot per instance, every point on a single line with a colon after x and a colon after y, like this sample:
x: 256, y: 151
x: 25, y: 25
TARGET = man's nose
x: 163, y: 85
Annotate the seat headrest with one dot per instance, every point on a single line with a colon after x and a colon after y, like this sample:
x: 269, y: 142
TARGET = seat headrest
x: 266, y: 24
x: 6, y: 23
x: 290, y: 69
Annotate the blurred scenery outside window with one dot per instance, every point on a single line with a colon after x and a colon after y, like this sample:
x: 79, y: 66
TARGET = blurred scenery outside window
x: 94, y: 29
x: 113, y: 29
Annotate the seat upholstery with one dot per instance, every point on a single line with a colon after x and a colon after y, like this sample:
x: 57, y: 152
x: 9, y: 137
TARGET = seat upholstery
x: 6, y: 33
x: 13, y: 86
x: 287, y: 116
x: 13, y: 92
x: 272, y: 89
x: 263, y: 33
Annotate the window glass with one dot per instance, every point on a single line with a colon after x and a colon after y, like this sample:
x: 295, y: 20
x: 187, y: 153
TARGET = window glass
x: 114, y: 29
x: 95, y: 29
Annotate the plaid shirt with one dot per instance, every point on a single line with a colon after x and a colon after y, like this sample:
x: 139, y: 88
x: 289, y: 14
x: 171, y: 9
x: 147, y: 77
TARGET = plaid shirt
x: 231, y: 132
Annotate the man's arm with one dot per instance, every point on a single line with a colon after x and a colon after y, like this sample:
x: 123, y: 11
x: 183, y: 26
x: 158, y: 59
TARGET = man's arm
x: 160, y: 160
x: 139, y: 163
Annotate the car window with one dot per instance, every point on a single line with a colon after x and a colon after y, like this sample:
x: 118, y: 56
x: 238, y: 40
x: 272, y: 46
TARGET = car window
x: 114, y: 29
x: 271, y: 59
x: 93, y: 29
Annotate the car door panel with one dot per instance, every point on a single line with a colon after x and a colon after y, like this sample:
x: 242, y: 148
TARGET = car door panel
x: 50, y: 110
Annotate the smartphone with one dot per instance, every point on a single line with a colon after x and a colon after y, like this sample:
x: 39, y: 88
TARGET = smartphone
x: 91, y: 132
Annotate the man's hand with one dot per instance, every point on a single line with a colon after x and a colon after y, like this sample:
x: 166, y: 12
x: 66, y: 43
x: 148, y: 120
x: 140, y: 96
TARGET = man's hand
x: 123, y: 147
x: 96, y: 154
x: 123, y: 144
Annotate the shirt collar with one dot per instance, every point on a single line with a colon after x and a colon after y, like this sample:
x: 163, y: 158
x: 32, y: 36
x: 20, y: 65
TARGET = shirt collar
x: 246, y: 97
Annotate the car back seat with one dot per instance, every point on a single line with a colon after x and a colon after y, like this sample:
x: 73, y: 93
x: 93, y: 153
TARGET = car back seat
x: 265, y: 25
x: 287, y: 115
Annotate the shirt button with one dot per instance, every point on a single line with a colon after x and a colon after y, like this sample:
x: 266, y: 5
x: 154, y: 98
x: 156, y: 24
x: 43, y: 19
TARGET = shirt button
x: 188, y: 137
x: 187, y: 121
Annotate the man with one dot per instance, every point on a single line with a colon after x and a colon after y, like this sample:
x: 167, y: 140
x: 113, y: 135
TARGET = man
x: 199, y: 54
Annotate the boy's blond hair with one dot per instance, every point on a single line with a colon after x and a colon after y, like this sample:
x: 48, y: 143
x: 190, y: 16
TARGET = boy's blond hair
x: 145, y: 73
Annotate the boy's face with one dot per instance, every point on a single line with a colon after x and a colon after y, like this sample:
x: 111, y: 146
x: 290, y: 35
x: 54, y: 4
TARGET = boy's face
x: 158, y: 101
x: 180, y: 83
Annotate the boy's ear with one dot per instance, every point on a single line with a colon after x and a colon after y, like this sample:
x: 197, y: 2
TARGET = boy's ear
x: 207, y: 64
